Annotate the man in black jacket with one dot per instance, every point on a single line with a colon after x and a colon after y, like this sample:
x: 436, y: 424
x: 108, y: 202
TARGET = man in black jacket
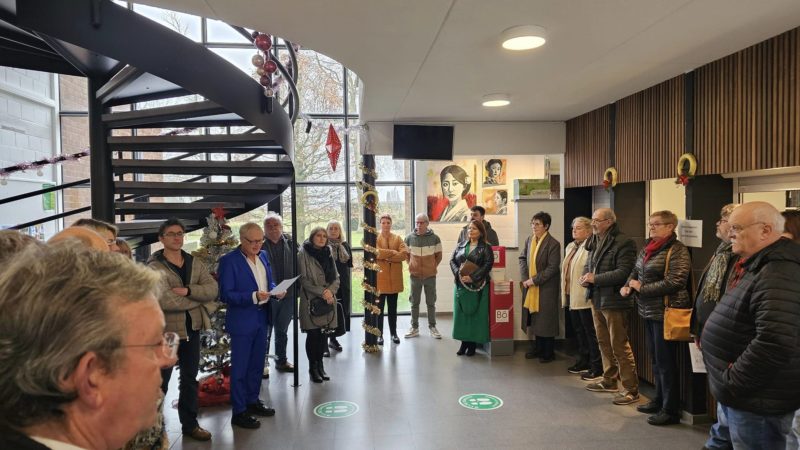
x: 477, y: 213
x: 751, y: 341
x: 279, y: 249
x: 611, y: 258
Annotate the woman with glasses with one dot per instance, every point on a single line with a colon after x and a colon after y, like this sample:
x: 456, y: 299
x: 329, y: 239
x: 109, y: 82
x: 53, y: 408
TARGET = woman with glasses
x: 342, y: 255
x: 540, y: 268
x: 471, y: 264
x: 661, y: 274
x: 319, y: 282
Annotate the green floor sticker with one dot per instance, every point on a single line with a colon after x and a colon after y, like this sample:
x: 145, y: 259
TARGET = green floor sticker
x: 336, y: 409
x: 483, y: 402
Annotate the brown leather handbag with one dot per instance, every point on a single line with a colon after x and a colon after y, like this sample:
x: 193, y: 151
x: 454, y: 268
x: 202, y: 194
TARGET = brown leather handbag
x: 677, y: 321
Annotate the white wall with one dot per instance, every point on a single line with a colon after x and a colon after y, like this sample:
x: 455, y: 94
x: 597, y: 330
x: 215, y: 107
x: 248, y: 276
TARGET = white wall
x: 28, y: 132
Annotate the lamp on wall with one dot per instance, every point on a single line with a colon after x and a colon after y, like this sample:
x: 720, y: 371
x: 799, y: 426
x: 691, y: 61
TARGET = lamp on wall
x: 523, y: 37
x: 495, y: 100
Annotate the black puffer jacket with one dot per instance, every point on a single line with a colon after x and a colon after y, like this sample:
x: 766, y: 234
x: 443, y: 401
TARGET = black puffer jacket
x: 751, y: 341
x: 482, y: 255
x: 650, y: 300
x: 611, y: 263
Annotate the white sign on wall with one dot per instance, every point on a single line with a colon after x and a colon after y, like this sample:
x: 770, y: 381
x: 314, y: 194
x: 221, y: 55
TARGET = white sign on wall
x: 690, y: 232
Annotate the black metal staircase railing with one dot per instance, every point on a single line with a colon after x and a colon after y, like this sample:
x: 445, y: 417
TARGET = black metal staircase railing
x: 94, y: 36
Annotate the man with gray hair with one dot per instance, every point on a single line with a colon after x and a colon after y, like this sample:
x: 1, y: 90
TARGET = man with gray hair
x: 611, y: 258
x: 751, y: 341
x: 424, y: 256
x: 95, y: 383
x: 279, y: 250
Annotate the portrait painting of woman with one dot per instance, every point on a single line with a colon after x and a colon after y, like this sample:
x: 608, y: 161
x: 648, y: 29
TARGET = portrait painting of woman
x: 454, y: 197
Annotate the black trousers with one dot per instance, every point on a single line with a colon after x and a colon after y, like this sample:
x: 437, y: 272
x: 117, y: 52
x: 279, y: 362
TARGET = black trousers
x: 546, y: 346
x: 315, y: 344
x: 588, y: 350
x: 391, y: 299
x: 663, y: 354
x: 189, y: 364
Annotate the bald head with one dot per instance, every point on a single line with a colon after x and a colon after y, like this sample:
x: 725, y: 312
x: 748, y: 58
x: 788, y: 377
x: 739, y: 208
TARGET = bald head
x: 754, y: 226
x: 87, y: 236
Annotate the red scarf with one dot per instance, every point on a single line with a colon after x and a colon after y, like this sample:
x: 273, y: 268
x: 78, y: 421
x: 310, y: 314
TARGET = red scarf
x: 654, y: 246
x: 738, y: 273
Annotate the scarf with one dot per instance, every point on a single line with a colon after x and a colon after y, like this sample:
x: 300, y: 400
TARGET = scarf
x: 532, y: 296
x: 654, y: 246
x: 323, y: 257
x: 339, y: 251
x: 738, y: 273
x: 715, y: 273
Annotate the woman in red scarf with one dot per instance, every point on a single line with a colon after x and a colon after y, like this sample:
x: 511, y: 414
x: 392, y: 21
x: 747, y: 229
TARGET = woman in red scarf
x: 661, y: 275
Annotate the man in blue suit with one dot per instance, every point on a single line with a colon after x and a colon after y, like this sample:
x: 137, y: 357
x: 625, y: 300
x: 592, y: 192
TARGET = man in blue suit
x: 245, y: 282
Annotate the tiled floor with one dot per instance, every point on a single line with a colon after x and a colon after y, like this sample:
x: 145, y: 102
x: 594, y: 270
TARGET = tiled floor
x: 408, y: 399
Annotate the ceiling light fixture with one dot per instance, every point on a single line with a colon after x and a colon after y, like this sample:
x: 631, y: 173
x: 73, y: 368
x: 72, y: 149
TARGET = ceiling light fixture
x: 523, y: 37
x: 495, y: 100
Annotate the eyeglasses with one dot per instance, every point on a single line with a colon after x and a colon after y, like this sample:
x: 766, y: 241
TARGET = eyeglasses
x: 171, y: 234
x: 169, y: 345
x: 738, y: 228
x: 656, y: 224
x: 599, y: 220
x: 257, y: 241
x: 721, y: 221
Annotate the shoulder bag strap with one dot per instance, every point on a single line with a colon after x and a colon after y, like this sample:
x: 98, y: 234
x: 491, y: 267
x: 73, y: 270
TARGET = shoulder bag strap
x: 666, y: 271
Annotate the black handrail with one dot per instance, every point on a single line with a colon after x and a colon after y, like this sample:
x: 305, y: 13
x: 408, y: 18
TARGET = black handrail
x: 51, y: 218
x: 43, y: 191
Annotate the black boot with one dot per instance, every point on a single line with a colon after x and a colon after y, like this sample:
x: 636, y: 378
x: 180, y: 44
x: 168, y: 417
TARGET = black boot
x: 321, y: 370
x: 313, y: 371
x: 533, y: 350
x: 471, y: 349
x: 462, y: 349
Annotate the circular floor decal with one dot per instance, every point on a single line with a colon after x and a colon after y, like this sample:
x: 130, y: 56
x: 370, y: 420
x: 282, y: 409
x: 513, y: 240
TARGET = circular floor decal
x: 336, y: 409
x: 483, y: 402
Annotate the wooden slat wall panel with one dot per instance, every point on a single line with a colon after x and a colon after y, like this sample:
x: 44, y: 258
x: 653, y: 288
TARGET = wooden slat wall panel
x: 747, y: 108
x: 587, y: 156
x: 650, y: 132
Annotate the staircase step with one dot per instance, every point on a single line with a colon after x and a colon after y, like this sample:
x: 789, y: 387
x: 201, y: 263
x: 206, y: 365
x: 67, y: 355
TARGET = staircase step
x: 144, y: 227
x: 222, y: 143
x: 158, y: 117
x: 119, y: 81
x: 144, y: 207
x: 177, y: 189
x: 132, y: 85
x: 232, y: 168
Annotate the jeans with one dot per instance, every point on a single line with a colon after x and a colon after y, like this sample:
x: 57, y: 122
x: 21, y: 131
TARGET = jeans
x: 663, y: 355
x: 588, y: 350
x: 611, y: 326
x: 189, y: 364
x: 719, y: 436
x: 430, y: 299
x: 282, y: 314
x: 751, y: 431
x: 392, y: 300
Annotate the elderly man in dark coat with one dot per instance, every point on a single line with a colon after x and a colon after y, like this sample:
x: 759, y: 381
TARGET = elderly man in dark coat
x: 539, y: 265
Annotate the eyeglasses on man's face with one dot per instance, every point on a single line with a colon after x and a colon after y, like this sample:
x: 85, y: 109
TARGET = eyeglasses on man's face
x: 736, y: 228
x: 655, y: 224
x: 168, y: 346
x: 600, y: 220
x: 253, y: 241
x: 173, y: 234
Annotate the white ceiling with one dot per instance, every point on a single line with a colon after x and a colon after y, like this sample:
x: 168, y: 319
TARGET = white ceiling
x: 433, y: 60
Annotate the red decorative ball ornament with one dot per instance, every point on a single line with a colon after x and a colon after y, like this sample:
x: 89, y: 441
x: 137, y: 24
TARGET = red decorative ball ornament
x: 270, y: 66
x: 257, y: 60
x: 263, y: 42
x: 265, y: 81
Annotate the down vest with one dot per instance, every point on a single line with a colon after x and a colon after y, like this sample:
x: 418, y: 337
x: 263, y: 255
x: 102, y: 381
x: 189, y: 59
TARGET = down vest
x: 751, y: 341
x: 611, y: 261
x: 655, y: 286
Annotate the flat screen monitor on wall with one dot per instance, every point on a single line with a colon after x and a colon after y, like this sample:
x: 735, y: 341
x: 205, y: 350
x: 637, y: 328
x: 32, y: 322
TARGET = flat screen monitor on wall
x: 423, y: 142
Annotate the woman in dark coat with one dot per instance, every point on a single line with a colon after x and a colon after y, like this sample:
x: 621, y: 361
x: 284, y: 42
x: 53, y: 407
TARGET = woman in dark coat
x: 661, y: 274
x: 471, y: 297
x: 342, y: 255
x: 540, y: 268
x: 318, y: 279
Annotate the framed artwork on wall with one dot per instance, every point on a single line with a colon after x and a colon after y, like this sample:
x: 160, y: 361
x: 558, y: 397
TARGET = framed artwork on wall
x: 450, y: 190
x: 495, y: 201
x: 494, y: 172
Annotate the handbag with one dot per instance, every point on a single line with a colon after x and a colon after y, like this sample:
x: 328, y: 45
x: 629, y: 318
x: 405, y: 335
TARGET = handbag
x: 677, y: 321
x: 319, y: 307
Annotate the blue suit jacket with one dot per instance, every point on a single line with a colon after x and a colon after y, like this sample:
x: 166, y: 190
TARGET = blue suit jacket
x: 236, y: 287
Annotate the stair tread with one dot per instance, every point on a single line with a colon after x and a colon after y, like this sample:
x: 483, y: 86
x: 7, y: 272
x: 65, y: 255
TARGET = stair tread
x: 177, y: 205
x: 205, y: 109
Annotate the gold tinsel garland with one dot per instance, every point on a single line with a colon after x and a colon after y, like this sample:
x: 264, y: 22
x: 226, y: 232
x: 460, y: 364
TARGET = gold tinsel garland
x: 369, y: 248
x: 372, y: 266
x: 365, y: 186
x: 367, y: 170
x: 369, y: 229
x: 369, y: 200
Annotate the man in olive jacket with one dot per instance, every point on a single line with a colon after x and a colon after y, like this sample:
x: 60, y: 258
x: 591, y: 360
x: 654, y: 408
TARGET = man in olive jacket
x: 751, y: 341
x: 611, y: 258
x: 187, y: 299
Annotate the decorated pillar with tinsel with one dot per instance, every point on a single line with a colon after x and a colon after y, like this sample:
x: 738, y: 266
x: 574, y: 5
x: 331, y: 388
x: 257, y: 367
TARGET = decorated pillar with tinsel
x: 369, y: 201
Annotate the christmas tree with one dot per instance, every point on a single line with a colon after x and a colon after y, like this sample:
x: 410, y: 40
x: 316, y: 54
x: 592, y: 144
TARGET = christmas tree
x: 215, y: 351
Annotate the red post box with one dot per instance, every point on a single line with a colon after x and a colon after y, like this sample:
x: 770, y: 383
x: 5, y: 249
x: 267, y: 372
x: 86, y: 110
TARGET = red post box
x: 501, y: 310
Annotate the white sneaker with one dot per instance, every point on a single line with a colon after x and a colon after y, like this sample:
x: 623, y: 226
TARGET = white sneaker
x: 435, y: 333
x: 412, y: 333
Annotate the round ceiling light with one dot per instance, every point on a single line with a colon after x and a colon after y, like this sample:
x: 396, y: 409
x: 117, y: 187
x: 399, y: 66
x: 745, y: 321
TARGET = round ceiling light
x: 495, y: 100
x: 523, y: 37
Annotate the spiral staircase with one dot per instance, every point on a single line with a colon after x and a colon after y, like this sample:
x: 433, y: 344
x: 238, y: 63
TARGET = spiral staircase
x: 138, y: 176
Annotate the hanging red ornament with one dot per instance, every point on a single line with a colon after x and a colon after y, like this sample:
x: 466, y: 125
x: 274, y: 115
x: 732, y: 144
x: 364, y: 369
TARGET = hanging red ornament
x: 334, y: 147
x: 265, y: 81
x: 270, y: 66
x: 263, y: 42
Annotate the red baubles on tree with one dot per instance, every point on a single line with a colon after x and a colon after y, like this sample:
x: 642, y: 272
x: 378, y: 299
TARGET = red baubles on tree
x: 270, y: 66
x: 263, y: 42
